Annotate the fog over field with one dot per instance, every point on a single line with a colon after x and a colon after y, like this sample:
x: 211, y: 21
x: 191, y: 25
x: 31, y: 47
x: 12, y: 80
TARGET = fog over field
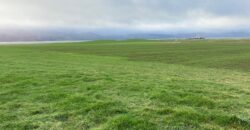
x: 124, y: 65
x: 118, y: 19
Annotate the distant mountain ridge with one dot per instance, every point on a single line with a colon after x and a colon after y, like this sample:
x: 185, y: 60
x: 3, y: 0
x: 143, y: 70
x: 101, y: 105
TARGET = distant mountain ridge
x: 16, y: 35
x: 45, y: 35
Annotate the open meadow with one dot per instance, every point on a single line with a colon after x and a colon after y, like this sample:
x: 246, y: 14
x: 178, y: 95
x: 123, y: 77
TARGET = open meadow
x: 132, y: 84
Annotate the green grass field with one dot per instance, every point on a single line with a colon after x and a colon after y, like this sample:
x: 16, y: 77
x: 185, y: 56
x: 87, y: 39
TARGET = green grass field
x: 133, y: 84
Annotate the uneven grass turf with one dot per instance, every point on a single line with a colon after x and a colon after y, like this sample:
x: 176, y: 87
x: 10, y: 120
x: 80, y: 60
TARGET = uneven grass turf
x: 133, y: 84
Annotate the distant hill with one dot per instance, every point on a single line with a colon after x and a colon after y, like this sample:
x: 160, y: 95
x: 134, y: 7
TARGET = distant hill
x: 45, y: 35
x: 14, y: 35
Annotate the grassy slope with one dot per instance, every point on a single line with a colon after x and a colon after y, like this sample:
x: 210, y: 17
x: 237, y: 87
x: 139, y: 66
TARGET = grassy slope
x: 126, y: 85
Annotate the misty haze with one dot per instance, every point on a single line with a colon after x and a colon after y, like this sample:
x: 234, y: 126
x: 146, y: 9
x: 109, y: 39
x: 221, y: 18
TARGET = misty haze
x: 125, y: 64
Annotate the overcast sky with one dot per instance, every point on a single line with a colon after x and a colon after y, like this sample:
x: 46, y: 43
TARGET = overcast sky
x: 127, y: 14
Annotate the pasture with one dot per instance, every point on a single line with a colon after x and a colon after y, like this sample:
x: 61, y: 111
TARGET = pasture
x: 131, y: 84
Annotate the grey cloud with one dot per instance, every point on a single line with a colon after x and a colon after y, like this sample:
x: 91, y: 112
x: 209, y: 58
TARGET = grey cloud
x: 150, y: 14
